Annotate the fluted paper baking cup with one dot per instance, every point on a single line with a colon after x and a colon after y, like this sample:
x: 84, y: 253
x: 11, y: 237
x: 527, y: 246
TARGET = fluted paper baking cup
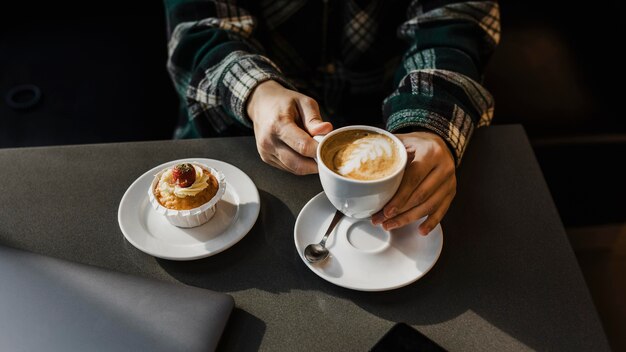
x: 191, y: 217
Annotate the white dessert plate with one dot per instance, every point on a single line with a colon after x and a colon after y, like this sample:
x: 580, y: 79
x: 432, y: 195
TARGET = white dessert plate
x: 362, y: 256
x: 151, y: 233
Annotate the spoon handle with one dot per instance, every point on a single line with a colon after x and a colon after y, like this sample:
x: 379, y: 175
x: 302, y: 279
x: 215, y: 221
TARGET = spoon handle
x: 333, y: 223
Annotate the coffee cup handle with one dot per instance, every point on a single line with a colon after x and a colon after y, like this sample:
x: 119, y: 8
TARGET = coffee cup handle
x: 318, y: 138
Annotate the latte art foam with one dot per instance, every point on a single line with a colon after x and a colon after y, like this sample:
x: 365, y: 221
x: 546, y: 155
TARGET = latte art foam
x: 366, y: 150
x: 361, y: 155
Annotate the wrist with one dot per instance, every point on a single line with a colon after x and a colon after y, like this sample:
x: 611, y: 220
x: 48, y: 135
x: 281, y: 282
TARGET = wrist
x: 438, y: 139
x: 259, y: 93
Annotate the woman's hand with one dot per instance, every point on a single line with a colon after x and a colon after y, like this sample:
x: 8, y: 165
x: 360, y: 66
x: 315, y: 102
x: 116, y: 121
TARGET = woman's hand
x: 428, y: 185
x: 284, y: 121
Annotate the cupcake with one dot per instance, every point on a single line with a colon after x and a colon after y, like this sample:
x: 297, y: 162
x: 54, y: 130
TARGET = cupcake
x: 187, y: 193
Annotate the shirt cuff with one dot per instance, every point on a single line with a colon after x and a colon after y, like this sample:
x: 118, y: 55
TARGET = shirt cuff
x: 242, y: 77
x: 456, y: 132
x: 446, y: 103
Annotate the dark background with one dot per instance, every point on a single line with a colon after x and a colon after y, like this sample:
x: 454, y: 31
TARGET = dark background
x: 101, y: 69
x: 557, y: 71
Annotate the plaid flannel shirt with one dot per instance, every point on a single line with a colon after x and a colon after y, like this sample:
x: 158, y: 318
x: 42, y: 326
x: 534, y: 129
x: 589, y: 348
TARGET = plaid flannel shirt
x: 421, y: 60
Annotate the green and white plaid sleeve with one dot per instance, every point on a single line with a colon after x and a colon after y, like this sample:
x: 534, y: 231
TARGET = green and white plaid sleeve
x: 215, y: 63
x: 438, y: 85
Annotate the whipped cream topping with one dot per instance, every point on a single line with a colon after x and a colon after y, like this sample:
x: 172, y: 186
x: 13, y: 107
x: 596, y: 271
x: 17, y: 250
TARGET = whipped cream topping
x: 366, y: 149
x: 168, y: 186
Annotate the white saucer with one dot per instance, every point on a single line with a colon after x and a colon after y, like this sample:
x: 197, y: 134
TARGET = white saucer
x: 362, y: 256
x: 151, y: 233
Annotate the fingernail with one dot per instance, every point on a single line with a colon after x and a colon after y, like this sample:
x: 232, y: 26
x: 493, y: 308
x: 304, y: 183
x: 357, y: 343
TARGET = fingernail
x: 391, y: 212
x: 423, y: 231
x: 390, y: 225
x: 376, y: 219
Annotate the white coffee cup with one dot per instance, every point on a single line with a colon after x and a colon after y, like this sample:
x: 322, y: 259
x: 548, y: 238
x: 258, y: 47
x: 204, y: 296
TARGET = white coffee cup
x: 360, y: 198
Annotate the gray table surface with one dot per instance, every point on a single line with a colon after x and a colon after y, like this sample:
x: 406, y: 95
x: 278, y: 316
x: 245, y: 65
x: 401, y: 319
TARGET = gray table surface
x: 507, y: 278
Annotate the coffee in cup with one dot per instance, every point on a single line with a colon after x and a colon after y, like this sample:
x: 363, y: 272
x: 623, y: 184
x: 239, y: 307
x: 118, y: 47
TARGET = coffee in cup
x: 361, y: 154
